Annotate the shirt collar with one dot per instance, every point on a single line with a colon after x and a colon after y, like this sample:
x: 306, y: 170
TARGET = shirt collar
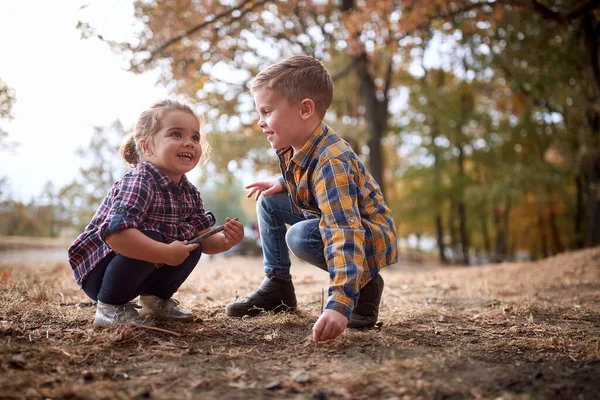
x: 304, y: 155
x: 162, y: 180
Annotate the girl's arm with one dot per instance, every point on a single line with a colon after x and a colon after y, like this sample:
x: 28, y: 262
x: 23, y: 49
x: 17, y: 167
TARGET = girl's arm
x: 134, y: 244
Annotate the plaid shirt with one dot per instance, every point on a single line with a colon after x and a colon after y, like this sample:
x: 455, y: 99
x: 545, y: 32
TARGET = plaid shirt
x: 145, y: 199
x: 326, y: 179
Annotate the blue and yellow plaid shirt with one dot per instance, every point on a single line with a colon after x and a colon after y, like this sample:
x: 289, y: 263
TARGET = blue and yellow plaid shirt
x: 326, y: 179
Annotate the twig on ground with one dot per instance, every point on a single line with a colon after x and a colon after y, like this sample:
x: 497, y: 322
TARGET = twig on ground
x: 154, y: 328
x: 322, y: 300
x: 79, y: 304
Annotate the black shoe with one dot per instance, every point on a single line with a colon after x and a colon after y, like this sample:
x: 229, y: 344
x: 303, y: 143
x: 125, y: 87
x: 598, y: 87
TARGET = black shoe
x: 366, y: 311
x: 274, y: 294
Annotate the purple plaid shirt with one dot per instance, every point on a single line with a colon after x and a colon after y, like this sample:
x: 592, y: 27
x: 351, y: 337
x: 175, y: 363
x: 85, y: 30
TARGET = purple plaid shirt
x: 145, y: 199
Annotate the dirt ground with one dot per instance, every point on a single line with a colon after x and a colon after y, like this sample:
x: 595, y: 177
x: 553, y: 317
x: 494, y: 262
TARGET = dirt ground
x: 505, y: 331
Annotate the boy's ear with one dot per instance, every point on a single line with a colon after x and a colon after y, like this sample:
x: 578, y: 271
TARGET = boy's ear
x: 308, y: 108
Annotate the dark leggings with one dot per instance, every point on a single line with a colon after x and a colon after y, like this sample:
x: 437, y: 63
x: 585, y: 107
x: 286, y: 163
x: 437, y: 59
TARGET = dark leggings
x: 118, y: 279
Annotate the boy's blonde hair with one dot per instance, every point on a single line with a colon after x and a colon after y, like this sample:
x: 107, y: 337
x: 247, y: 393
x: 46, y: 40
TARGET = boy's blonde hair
x: 298, y: 78
x: 148, y: 125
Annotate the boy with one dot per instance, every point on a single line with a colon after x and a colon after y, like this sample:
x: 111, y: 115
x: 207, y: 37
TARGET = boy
x: 339, y: 220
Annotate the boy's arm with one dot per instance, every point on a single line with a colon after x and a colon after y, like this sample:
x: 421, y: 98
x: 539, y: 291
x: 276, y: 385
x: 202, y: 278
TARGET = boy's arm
x: 336, y: 193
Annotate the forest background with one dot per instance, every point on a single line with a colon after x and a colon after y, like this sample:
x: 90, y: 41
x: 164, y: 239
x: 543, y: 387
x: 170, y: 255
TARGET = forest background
x: 479, y: 119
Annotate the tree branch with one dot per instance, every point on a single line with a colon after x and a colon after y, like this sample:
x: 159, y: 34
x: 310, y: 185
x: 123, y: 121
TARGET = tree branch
x: 206, y: 23
x: 538, y: 101
x: 583, y: 8
x: 346, y: 70
x: 580, y: 10
x: 388, y: 83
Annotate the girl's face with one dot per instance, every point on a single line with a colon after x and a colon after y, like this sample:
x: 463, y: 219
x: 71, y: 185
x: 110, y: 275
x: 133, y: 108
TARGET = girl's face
x: 175, y: 149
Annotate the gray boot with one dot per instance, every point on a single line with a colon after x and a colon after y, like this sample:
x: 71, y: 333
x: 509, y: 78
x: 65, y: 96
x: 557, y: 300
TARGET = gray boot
x: 161, y: 309
x: 111, y: 315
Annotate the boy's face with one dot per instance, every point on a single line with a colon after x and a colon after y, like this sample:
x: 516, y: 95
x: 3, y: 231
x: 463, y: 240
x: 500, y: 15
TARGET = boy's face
x: 284, y: 123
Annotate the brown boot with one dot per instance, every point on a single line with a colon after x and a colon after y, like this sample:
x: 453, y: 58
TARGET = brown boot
x: 366, y: 311
x: 274, y: 294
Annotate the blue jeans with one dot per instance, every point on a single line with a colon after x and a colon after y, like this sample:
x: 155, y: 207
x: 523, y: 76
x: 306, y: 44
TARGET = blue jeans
x: 118, y: 279
x: 303, y: 238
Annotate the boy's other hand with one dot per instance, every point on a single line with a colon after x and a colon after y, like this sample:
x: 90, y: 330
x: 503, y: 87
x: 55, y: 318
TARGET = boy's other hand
x: 330, y: 325
x: 266, y: 188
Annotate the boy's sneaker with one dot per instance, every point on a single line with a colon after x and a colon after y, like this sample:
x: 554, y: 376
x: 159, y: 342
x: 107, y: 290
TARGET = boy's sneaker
x: 274, y: 294
x: 165, y: 310
x: 110, y: 315
x: 366, y: 311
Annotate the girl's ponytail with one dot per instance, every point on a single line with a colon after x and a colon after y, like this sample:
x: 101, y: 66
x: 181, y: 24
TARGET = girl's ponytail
x: 129, y: 150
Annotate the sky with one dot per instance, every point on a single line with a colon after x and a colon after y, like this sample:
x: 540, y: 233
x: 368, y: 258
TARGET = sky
x: 64, y: 86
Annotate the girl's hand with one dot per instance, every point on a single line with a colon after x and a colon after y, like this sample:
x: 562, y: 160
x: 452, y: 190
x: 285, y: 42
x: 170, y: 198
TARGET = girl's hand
x: 178, y: 252
x: 266, y: 188
x: 233, y: 232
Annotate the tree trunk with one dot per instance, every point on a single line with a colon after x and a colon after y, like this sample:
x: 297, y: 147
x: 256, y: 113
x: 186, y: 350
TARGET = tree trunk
x: 591, y: 161
x: 440, y: 239
x: 557, y: 246
x: 542, y: 232
x: 462, y: 213
x: 464, y: 240
x: 500, y: 250
x: 376, y: 114
x: 578, y: 235
x: 593, y: 183
x: 507, y: 207
x: 487, y: 245
x: 437, y: 184
x: 452, y: 228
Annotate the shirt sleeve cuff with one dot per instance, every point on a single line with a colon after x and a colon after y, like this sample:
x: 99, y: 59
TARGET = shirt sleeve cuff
x: 282, y: 181
x: 341, y: 304
x: 211, y: 216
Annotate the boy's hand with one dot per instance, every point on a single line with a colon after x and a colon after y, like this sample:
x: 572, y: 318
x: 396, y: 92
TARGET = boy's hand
x: 330, y: 325
x: 178, y: 252
x: 266, y: 188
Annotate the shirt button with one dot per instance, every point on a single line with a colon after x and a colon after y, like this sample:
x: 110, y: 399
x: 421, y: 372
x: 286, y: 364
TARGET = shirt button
x: 179, y: 197
x: 352, y: 220
x: 120, y: 210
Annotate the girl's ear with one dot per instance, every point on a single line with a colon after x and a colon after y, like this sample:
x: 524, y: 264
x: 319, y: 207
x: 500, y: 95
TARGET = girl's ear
x: 146, y: 147
x: 307, y: 108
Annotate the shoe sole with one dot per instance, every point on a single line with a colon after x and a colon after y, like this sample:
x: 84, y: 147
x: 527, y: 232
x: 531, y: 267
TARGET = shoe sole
x: 254, y: 311
x: 101, y: 325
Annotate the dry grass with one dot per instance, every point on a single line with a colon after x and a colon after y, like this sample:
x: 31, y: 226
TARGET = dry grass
x: 510, y: 331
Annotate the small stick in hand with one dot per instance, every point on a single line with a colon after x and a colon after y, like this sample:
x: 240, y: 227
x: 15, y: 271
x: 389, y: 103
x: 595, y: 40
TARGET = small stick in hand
x: 211, y: 232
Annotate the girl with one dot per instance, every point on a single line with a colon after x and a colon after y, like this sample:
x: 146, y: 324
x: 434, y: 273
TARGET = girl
x: 136, y: 243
